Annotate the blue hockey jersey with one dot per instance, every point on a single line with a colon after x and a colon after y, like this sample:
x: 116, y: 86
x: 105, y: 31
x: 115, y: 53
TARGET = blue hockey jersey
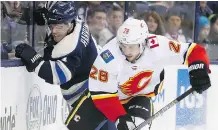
x: 70, y: 62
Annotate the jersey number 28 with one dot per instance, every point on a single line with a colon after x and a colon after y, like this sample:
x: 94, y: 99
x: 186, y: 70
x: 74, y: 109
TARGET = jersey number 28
x: 100, y: 75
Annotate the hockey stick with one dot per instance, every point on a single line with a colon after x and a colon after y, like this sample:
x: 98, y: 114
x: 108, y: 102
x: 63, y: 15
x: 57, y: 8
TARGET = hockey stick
x: 168, y: 106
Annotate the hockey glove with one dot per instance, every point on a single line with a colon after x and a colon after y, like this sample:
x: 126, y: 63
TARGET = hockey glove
x: 125, y: 122
x: 199, y: 78
x: 28, y: 56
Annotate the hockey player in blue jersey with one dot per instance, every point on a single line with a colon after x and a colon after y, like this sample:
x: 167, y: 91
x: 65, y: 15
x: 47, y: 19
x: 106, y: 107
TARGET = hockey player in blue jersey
x: 69, y: 55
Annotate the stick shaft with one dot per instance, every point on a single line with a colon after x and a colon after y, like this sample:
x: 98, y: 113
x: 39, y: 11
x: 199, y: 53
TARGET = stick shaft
x: 161, y: 111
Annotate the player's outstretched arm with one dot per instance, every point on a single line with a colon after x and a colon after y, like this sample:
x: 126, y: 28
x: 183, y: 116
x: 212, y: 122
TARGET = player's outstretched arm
x: 198, y: 63
x: 53, y: 72
x: 195, y: 57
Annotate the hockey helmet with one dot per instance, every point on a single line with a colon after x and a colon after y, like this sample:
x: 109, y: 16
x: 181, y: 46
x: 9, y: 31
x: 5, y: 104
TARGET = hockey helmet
x: 133, y: 31
x: 61, y: 12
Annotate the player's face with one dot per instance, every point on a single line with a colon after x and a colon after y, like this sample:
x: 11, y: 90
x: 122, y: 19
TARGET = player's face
x: 59, y: 31
x: 131, y: 51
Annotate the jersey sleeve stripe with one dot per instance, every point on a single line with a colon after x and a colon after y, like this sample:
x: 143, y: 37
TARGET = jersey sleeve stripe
x: 54, y: 73
x: 102, y: 96
x: 79, y: 88
x: 160, y: 86
x: 190, y: 49
x: 60, y: 73
x: 65, y: 70
x: 73, y: 95
x: 101, y: 92
x: 74, y: 88
x: 39, y: 67
x: 151, y: 94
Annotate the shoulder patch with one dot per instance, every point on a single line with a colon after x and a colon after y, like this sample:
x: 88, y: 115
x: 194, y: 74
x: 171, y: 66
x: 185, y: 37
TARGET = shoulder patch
x: 152, y: 42
x: 107, y: 56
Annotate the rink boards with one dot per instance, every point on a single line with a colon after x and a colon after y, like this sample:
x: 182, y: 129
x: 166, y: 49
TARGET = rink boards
x: 28, y: 103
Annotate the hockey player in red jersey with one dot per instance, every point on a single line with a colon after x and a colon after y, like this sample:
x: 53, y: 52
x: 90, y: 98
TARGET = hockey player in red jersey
x: 130, y: 69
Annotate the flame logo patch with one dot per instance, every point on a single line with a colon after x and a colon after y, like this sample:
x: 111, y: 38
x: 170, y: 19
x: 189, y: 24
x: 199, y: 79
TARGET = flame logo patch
x: 136, y: 83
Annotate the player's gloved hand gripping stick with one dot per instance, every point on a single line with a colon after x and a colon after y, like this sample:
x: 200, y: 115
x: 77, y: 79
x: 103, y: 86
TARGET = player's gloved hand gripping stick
x: 199, y: 80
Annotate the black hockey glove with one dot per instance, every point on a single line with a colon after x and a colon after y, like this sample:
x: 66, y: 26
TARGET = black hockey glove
x: 199, y: 78
x: 28, y: 56
x: 121, y: 122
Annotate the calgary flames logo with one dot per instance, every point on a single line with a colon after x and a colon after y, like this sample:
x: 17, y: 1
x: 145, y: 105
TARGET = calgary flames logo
x: 136, y: 83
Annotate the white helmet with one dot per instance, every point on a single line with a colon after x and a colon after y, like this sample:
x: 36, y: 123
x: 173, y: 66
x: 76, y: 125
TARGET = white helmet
x: 133, y: 31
